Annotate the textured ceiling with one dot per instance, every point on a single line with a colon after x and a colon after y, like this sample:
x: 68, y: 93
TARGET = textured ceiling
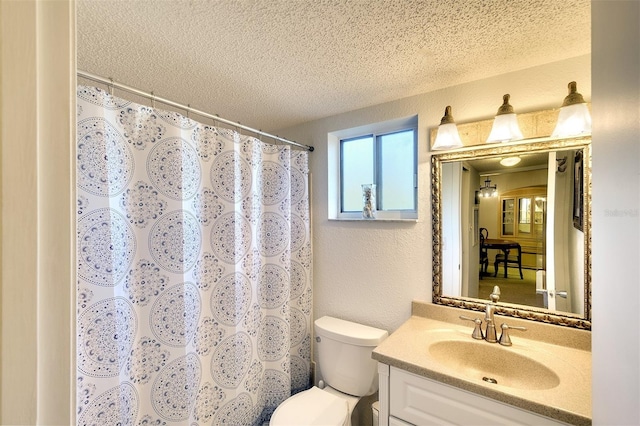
x: 271, y: 64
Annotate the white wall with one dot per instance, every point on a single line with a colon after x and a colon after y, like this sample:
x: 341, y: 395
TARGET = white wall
x: 616, y: 206
x: 371, y: 271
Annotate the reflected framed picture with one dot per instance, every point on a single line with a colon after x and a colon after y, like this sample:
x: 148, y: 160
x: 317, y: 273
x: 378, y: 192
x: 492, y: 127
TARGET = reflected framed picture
x: 578, y: 191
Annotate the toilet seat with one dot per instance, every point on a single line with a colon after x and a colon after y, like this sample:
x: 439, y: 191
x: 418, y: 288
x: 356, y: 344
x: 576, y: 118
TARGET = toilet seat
x: 311, y: 407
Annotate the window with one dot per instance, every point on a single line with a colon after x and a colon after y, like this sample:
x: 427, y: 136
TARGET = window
x: 385, y: 155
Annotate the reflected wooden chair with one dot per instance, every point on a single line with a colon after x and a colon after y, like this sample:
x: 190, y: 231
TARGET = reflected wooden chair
x: 484, y: 254
x: 513, y: 261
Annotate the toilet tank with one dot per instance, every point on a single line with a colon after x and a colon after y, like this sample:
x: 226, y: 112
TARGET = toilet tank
x: 344, y: 355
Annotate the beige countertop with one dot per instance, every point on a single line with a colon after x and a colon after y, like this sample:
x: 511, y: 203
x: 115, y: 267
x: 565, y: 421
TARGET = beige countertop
x: 570, y: 401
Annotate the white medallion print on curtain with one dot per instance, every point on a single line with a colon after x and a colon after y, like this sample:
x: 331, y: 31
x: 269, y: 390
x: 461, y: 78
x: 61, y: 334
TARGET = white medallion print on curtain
x: 194, y: 269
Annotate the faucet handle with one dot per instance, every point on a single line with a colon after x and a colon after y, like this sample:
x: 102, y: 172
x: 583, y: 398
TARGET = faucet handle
x: 477, y: 330
x: 505, y: 340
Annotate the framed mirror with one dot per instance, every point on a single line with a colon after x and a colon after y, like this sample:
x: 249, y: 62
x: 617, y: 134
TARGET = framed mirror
x: 525, y: 227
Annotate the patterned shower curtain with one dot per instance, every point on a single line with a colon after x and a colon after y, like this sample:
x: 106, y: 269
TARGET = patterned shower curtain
x: 194, y: 269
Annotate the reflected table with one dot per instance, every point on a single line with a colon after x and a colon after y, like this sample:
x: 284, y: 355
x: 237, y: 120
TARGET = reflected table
x: 504, y: 245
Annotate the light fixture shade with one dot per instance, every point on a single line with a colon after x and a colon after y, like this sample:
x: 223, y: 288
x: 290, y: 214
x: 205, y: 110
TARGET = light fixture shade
x: 488, y: 190
x: 447, y: 136
x: 510, y: 161
x: 574, y: 118
x: 505, y: 125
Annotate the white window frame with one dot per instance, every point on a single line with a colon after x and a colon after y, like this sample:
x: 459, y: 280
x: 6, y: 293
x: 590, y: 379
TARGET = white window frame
x: 334, y: 169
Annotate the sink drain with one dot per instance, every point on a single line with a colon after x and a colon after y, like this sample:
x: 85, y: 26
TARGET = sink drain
x: 490, y: 380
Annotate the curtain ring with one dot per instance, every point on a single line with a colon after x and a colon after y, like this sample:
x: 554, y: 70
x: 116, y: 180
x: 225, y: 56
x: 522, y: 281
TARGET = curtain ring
x: 188, y: 109
x: 111, y: 86
x: 153, y: 100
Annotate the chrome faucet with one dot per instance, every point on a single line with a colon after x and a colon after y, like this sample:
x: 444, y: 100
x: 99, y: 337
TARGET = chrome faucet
x: 490, y: 333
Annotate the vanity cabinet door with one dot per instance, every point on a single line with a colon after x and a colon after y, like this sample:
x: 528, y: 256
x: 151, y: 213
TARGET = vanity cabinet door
x: 397, y: 422
x: 425, y: 402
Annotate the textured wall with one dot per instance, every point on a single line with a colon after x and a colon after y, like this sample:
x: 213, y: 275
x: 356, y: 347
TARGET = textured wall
x: 371, y: 271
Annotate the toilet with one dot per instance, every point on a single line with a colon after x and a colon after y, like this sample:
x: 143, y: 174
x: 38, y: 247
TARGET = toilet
x: 349, y: 373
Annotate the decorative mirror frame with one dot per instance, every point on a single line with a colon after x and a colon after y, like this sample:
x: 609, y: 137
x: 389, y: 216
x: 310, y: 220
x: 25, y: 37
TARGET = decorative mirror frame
x: 513, y: 148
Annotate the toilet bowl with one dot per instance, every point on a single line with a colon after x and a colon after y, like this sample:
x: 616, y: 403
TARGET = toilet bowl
x: 315, y: 407
x: 344, y: 358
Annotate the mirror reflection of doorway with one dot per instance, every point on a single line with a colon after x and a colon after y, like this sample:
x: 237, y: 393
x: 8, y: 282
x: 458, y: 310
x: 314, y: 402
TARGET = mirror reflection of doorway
x: 516, y: 248
x: 519, y: 213
x: 532, y: 209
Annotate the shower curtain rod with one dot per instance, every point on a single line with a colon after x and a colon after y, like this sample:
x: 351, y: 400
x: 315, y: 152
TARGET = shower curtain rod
x: 109, y: 82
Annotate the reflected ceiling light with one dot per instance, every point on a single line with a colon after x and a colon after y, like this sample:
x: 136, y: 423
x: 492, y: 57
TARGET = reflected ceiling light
x: 510, y: 161
x: 574, y: 118
x: 447, y: 136
x: 505, y: 125
x: 487, y: 190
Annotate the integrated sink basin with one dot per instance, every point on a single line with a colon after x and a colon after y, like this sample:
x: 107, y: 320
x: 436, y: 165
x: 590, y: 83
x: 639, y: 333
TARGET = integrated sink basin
x: 493, y: 363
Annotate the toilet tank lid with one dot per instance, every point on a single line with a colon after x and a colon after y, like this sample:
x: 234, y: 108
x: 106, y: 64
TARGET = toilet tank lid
x: 349, y: 332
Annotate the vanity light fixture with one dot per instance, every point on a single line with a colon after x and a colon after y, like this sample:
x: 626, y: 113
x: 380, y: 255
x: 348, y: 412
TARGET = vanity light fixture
x: 574, y: 118
x: 487, y: 190
x: 510, y: 161
x: 447, y: 136
x: 505, y: 125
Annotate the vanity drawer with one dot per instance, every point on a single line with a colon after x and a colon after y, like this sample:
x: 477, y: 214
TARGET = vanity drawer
x: 425, y: 402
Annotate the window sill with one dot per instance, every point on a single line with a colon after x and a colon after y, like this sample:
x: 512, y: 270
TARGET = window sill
x: 381, y: 216
x: 347, y: 219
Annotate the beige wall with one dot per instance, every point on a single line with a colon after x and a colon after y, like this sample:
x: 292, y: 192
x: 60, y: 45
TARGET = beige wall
x: 36, y: 112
